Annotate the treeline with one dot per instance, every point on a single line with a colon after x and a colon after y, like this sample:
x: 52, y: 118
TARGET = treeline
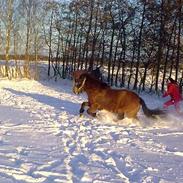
x: 138, y: 43
x: 22, y: 57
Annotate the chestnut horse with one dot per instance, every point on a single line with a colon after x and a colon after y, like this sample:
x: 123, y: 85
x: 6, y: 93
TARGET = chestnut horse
x: 123, y: 102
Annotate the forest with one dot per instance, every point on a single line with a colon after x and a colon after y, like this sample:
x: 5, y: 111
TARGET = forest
x: 137, y: 43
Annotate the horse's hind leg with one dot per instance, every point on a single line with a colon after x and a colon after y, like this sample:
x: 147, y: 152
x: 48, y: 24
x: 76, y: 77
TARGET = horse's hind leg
x: 133, y: 113
x: 83, y: 105
x: 120, y: 116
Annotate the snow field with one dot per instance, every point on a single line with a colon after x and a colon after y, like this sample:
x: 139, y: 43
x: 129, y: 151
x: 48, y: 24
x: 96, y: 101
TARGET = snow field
x: 43, y: 139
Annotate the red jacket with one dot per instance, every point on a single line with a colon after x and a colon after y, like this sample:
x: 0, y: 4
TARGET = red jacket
x: 173, y: 91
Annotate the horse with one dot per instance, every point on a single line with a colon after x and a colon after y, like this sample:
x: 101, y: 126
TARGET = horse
x: 123, y: 102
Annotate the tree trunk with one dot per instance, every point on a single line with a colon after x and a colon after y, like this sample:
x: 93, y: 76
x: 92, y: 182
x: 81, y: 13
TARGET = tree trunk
x: 8, y: 32
x: 160, y: 45
x: 178, y: 38
x: 139, y: 47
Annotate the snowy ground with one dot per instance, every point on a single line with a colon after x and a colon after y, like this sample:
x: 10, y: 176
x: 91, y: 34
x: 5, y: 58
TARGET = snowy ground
x: 42, y: 139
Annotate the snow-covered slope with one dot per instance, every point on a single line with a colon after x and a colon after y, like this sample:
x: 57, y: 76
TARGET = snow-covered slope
x: 43, y: 139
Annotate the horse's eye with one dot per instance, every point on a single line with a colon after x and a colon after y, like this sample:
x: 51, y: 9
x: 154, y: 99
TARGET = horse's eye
x: 76, y: 80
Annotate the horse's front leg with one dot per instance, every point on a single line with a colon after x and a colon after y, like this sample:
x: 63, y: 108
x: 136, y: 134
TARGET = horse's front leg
x: 92, y: 110
x: 83, y: 105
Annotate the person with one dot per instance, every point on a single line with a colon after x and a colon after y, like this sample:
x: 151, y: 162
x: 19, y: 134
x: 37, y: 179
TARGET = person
x: 174, y: 92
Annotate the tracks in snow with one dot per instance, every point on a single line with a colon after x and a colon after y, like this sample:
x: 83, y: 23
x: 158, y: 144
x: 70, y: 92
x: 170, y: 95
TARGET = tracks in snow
x: 44, y: 140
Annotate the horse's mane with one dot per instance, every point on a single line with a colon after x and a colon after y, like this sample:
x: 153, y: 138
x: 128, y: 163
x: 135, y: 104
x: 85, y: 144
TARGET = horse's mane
x: 94, y: 81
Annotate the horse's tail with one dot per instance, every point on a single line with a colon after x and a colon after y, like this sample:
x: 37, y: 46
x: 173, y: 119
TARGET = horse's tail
x: 150, y: 112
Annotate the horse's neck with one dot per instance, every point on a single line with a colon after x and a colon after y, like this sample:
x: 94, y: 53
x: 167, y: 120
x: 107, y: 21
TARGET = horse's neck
x: 92, y: 88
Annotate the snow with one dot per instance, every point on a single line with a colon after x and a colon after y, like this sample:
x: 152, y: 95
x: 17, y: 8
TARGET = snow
x: 43, y: 139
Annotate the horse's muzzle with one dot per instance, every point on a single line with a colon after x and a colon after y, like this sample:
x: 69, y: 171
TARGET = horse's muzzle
x: 75, y: 90
x: 78, y: 89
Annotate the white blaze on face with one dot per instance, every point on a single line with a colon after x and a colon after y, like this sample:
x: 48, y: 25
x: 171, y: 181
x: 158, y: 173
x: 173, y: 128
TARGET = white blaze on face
x: 74, y: 88
x: 83, y: 83
x: 78, y: 89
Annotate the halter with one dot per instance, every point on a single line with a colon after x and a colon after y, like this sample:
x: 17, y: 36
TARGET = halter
x: 82, y: 85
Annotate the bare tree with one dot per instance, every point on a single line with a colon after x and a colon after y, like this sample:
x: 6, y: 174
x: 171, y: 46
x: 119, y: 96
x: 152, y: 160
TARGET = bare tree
x: 8, y: 23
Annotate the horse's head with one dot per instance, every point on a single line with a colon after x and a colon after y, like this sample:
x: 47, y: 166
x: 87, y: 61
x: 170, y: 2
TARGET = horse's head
x: 78, y: 84
x: 76, y: 74
x: 87, y: 82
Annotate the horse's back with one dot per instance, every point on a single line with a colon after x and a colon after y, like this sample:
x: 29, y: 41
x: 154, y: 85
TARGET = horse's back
x: 123, y: 94
x: 121, y: 101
